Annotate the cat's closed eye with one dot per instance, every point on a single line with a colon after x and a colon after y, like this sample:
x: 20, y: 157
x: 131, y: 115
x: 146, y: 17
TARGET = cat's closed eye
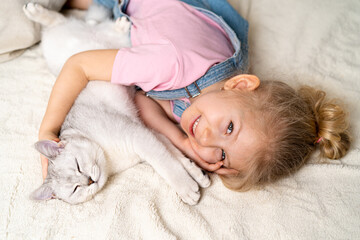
x: 77, y: 164
x: 77, y: 186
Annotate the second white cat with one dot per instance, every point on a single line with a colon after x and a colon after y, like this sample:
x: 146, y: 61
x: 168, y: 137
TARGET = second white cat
x: 63, y: 36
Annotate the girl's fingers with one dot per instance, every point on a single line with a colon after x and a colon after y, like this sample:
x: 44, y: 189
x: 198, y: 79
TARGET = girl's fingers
x: 45, y: 161
x: 190, y: 153
x: 211, y: 167
x: 226, y: 171
x: 44, y: 166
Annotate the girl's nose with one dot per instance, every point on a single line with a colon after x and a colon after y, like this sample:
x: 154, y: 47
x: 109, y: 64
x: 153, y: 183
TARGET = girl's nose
x: 207, y: 147
x: 209, y: 154
x: 207, y: 138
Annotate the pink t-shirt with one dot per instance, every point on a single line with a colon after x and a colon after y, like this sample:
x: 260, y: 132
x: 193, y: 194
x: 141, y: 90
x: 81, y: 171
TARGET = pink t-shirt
x: 173, y: 45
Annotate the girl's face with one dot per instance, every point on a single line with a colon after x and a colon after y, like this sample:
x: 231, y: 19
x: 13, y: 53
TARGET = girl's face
x: 220, y: 128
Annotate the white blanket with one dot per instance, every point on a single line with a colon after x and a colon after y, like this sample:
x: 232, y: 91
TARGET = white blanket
x: 311, y: 42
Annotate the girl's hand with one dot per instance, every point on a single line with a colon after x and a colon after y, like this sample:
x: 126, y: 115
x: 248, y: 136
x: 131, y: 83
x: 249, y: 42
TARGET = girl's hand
x: 44, y: 165
x: 189, y: 152
x: 44, y: 160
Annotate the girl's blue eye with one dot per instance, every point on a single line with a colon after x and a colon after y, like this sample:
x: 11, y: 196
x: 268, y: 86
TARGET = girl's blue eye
x: 223, y: 155
x: 228, y: 131
x: 230, y: 128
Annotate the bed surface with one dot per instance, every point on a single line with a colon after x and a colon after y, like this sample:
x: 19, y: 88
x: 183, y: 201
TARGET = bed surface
x: 299, y: 42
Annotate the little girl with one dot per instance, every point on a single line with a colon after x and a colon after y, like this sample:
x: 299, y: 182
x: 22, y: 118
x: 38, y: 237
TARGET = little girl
x: 188, y: 60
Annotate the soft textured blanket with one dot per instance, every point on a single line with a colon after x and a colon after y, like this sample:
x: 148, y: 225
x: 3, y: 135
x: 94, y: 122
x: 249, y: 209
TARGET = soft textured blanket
x: 300, y: 42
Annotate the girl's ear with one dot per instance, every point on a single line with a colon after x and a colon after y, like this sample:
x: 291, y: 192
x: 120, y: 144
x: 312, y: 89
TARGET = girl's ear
x: 243, y: 81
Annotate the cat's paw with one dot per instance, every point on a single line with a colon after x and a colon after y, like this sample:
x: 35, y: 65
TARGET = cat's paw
x: 188, y: 190
x: 122, y: 25
x: 33, y: 11
x: 39, y: 14
x: 199, y: 175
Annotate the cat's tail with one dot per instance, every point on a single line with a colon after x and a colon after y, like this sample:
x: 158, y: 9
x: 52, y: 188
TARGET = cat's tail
x: 39, y: 14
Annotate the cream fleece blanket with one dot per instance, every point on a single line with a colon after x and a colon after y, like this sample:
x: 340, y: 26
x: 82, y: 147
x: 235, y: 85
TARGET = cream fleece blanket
x: 311, y: 42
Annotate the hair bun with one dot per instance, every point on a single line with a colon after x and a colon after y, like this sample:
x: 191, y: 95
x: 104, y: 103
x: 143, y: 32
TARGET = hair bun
x: 331, y: 123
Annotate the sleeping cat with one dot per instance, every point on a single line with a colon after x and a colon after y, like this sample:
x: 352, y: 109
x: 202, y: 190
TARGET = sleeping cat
x: 102, y: 134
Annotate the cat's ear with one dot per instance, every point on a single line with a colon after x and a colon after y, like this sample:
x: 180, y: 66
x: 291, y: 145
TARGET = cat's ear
x: 44, y: 192
x: 48, y: 148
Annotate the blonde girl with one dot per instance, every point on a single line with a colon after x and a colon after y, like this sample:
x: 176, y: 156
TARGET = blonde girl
x: 249, y: 132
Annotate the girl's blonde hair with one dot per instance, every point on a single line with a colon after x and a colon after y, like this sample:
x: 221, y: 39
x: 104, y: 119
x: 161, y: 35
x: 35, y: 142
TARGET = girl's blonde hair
x: 291, y: 125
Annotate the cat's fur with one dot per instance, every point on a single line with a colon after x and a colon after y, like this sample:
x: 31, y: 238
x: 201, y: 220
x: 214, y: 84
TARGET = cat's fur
x: 102, y: 135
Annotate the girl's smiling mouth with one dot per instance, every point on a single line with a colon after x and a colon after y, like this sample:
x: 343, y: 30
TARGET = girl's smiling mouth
x: 192, y: 128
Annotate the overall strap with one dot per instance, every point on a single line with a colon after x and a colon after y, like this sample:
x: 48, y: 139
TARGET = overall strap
x: 222, y: 71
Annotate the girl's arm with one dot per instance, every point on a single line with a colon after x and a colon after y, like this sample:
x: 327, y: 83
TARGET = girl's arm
x: 156, y: 115
x: 75, y: 74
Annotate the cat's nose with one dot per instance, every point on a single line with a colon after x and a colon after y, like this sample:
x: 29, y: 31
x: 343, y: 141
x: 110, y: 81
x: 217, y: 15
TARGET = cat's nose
x: 90, y: 181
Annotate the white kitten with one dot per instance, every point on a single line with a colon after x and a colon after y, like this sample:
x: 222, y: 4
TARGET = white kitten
x: 63, y: 37
x: 102, y: 134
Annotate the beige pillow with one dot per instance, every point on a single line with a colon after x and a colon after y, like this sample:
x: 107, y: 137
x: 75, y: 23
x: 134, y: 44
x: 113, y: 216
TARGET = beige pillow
x: 17, y: 32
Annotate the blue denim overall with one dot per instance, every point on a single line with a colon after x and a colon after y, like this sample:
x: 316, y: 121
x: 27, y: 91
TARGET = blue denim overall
x: 234, y: 25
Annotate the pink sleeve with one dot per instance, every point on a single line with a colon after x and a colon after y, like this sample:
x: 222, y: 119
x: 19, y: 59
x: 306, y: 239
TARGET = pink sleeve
x: 150, y: 66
